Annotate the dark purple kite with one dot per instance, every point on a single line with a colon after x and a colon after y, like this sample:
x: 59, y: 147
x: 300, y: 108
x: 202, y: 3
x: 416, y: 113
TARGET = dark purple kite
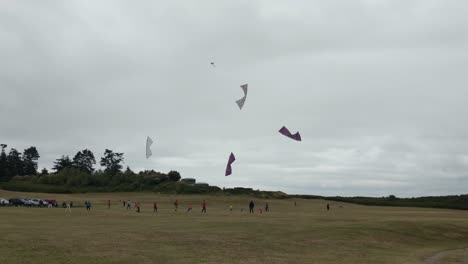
x: 230, y: 161
x: 286, y: 132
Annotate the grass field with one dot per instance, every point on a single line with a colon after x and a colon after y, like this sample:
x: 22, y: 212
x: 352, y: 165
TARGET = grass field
x: 306, y: 233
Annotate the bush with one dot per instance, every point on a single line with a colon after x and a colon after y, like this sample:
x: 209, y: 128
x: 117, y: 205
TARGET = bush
x: 174, y: 176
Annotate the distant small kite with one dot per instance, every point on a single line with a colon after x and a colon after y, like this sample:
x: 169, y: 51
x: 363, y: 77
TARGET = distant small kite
x: 212, y: 63
x: 286, y: 132
x: 241, y: 101
x: 149, y: 142
x: 230, y: 161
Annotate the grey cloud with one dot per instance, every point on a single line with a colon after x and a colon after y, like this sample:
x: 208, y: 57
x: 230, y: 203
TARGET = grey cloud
x: 376, y: 88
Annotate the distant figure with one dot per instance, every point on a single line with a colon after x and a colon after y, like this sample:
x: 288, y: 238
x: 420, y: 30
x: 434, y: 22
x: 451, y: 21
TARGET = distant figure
x: 189, y: 209
x: 129, y: 205
x: 267, y: 209
x: 71, y: 204
x: 123, y: 203
x: 295, y: 204
x: 155, y: 207
x: 88, y: 205
x: 176, y: 205
x: 203, y: 207
x: 138, y: 207
x: 68, y: 207
x: 108, y: 204
x: 260, y: 210
x: 328, y: 207
x: 64, y: 204
x: 230, y: 208
x: 251, y: 206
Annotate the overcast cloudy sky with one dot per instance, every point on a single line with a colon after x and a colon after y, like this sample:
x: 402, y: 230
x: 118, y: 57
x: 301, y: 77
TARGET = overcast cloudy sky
x: 376, y: 88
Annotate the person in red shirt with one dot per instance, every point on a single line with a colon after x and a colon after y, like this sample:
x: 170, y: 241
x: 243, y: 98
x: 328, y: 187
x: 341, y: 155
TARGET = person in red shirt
x: 155, y: 207
x: 203, y: 207
x: 189, y: 208
x: 176, y: 205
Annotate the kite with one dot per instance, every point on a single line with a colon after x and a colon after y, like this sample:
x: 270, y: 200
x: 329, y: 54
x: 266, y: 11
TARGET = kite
x: 241, y: 101
x: 212, y: 63
x: 149, y: 142
x: 286, y: 132
x: 230, y: 161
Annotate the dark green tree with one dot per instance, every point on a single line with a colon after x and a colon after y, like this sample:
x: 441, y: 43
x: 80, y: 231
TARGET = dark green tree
x: 15, y: 163
x: 174, y: 176
x: 111, y: 161
x: 5, y: 173
x: 62, y: 163
x: 84, y: 161
x: 129, y: 171
x: 30, y: 157
x: 44, y: 171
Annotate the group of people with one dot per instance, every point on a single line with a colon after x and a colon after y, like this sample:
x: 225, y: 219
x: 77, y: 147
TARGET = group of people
x: 252, y: 207
x: 189, y: 209
x: 128, y: 205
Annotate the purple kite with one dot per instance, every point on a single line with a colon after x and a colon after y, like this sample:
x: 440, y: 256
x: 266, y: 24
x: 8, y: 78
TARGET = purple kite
x: 286, y: 132
x: 230, y: 161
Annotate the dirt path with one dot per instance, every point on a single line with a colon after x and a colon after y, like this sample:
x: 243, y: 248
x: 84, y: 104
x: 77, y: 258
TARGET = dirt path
x: 439, y: 257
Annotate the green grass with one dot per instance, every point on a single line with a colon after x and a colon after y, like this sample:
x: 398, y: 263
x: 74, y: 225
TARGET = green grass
x: 288, y: 234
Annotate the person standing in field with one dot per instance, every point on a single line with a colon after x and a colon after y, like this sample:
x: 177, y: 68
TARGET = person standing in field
x: 203, y: 207
x: 230, y: 208
x: 108, y: 204
x: 123, y: 203
x: 155, y: 207
x: 137, y: 205
x: 267, y: 208
x: 328, y: 207
x: 176, y: 205
x: 129, y: 205
x: 251, y: 206
x: 68, y: 208
x: 189, y: 208
x: 88, y: 205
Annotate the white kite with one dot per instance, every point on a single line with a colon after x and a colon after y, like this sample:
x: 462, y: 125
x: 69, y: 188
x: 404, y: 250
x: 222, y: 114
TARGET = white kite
x: 241, y: 101
x: 149, y: 142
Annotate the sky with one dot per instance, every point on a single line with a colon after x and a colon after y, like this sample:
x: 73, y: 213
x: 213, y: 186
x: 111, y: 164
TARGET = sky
x: 376, y: 88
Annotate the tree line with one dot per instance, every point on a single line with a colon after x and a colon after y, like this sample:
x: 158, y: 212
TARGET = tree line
x: 25, y: 164
x: 18, y: 164
x: 20, y: 171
